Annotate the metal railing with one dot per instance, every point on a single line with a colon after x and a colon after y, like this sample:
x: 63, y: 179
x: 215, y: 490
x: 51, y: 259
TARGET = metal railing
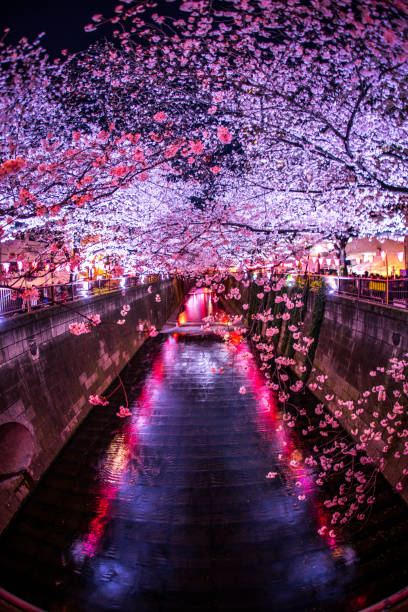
x: 393, y: 292
x: 8, y: 601
x: 12, y: 301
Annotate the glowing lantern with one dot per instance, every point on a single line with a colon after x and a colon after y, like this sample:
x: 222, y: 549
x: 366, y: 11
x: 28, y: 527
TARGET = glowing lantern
x: 6, y: 267
x: 20, y: 265
x: 400, y: 256
x: 383, y: 255
x: 328, y: 260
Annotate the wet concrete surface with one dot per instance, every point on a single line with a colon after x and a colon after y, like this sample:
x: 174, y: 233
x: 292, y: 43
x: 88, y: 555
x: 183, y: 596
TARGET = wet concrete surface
x: 170, y: 509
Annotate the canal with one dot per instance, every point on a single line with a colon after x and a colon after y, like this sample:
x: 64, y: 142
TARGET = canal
x: 172, y: 508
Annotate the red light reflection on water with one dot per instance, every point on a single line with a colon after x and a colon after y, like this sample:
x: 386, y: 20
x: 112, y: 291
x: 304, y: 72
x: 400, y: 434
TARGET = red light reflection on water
x: 98, y: 525
x: 289, y: 451
x: 289, y: 447
x: 199, y: 305
x: 123, y: 449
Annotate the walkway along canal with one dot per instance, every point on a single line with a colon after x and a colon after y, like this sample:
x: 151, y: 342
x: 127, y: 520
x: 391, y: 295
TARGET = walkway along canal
x: 172, y: 509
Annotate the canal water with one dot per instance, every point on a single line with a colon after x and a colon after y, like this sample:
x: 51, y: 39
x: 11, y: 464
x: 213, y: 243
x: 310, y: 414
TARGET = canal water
x: 172, y: 509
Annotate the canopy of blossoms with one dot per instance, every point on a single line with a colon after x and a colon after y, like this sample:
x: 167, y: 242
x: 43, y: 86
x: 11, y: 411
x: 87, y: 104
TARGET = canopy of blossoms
x: 211, y: 133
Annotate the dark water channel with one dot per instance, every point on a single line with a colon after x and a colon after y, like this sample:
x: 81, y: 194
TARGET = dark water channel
x: 170, y: 509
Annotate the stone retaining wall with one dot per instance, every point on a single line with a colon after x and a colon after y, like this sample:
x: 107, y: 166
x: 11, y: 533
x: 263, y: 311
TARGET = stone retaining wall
x: 354, y: 338
x: 47, y: 375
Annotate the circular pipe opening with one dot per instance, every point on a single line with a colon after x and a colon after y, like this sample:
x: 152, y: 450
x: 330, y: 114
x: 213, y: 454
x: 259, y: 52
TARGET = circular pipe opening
x: 16, y: 448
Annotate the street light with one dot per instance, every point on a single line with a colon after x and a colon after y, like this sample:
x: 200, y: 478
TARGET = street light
x: 384, y: 257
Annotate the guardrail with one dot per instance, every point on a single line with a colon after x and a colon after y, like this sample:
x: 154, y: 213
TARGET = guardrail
x: 12, y: 602
x: 393, y: 292
x: 388, y: 291
x: 13, y: 302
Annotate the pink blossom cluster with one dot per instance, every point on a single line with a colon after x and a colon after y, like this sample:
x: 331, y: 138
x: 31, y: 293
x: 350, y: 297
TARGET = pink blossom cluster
x: 97, y: 400
x: 124, y: 312
x: 77, y: 329
x: 334, y: 454
x: 95, y: 319
x: 123, y: 412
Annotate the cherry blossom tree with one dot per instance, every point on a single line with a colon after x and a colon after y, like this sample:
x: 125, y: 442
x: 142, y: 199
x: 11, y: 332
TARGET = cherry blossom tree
x: 312, y: 95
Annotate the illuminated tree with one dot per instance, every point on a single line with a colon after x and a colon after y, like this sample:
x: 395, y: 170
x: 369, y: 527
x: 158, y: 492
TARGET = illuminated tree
x: 311, y: 95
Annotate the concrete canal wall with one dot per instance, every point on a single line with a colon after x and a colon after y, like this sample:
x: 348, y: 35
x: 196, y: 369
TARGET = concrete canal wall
x: 355, y: 337
x: 47, y: 375
x: 352, y: 338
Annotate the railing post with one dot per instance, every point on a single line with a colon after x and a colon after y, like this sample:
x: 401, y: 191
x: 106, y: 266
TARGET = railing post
x: 358, y: 288
x: 388, y: 291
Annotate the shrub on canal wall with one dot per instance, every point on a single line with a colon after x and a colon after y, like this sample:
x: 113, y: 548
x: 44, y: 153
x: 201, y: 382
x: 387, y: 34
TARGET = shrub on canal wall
x: 317, y: 317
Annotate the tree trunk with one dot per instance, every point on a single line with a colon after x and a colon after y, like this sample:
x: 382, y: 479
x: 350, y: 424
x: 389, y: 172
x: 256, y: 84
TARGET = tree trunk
x: 341, y: 246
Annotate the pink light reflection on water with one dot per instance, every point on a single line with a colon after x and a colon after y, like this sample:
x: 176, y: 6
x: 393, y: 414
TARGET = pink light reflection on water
x: 289, y: 445
x: 123, y: 449
x: 199, y: 305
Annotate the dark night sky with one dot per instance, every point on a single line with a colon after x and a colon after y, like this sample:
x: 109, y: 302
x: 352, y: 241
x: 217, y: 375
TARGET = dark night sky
x: 62, y: 20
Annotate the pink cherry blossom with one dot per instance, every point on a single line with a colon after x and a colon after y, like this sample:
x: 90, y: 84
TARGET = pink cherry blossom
x: 123, y: 412
x: 160, y: 117
x: 96, y: 400
x: 223, y: 134
x: 196, y: 147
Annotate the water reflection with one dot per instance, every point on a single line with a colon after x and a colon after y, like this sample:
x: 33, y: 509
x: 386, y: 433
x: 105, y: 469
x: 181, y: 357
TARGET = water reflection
x: 184, y: 504
x: 199, y: 304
